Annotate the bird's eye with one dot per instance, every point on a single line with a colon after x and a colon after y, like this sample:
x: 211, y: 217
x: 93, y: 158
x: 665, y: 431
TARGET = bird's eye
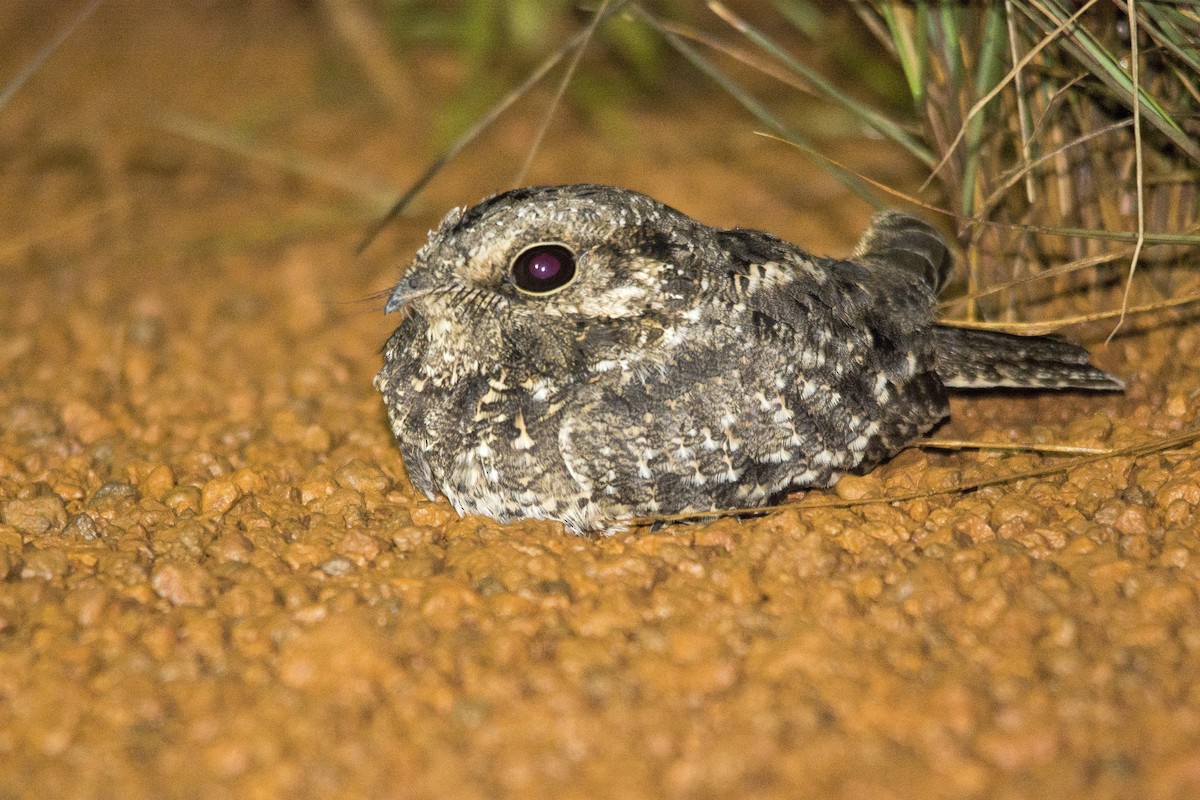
x: 543, y: 268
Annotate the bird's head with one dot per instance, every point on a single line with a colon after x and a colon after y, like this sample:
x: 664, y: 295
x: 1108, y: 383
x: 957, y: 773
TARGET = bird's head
x: 578, y: 254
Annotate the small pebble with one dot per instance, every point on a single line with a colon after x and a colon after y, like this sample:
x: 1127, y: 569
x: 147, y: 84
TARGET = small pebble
x: 182, y: 584
x: 35, y: 515
x: 159, y: 481
x: 859, y: 487
x: 337, y: 566
x: 83, y: 527
x: 219, y: 495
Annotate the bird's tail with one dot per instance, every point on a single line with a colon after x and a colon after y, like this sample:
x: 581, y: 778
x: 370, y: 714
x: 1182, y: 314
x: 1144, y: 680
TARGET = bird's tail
x: 975, y: 359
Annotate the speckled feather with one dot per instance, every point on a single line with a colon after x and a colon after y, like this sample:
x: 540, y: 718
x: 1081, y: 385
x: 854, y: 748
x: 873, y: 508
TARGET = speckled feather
x: 685, y: 368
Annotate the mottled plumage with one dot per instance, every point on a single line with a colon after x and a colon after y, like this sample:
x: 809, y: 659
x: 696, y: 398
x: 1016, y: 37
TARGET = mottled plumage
x: 677, y: 367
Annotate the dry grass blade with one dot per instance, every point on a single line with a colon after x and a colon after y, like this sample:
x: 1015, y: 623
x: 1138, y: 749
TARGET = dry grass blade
x: 1025, y: 125
x: 1050, y: 326
x: 362, y: 189
x: 1140, y: 181
x: 1062, y: 269
x: 1016, y: 447
x: 1141, y: 449
x: 742, y: 55
x: 44, y: 54
x: 1024, y: 170
x: 361, y: 35
x: 600, y: 14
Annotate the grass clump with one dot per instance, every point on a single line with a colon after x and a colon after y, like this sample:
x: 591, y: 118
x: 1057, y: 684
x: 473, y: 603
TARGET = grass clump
x: 1055, y: 133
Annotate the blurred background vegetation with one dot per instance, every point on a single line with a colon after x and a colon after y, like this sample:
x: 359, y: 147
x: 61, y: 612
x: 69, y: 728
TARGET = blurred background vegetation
x: 500, y: 41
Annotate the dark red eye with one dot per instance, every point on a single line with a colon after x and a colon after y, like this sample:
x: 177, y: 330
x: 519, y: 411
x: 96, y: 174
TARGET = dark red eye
x: 543, y: 268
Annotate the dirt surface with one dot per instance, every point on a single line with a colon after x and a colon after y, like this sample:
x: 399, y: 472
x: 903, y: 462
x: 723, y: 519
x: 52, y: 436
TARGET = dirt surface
x: 216, y: 581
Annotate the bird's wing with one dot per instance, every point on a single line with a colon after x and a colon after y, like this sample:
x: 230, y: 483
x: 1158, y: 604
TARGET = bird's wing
x: 863, y: 367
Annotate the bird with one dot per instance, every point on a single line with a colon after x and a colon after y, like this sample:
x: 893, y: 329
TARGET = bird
x: 587, y: 354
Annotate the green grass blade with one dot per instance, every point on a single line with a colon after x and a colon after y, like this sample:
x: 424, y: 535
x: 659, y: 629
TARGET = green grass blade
x: 1166, y: 31
x: 909, y: 50
x: 949, y: 38
x: 803, y: 16
x: 987, y: 74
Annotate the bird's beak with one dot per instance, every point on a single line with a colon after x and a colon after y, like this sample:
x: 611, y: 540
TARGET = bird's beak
x: 408, y: 288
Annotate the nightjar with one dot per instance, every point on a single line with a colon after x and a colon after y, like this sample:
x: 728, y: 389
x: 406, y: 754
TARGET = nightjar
x: 587, y: 354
